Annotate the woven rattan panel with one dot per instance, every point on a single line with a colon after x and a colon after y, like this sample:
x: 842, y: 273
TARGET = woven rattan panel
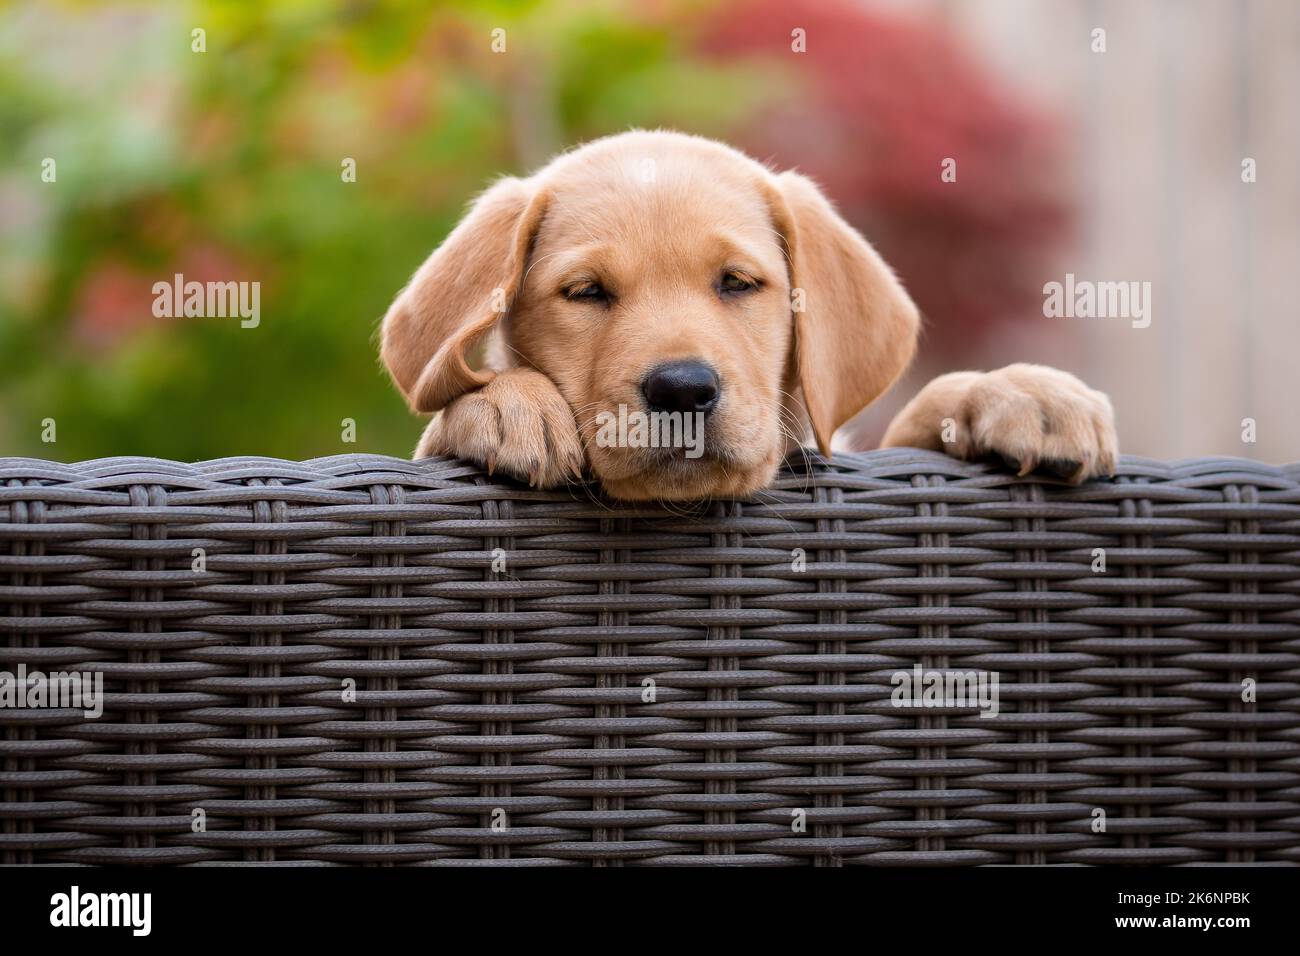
x: 380, y: 661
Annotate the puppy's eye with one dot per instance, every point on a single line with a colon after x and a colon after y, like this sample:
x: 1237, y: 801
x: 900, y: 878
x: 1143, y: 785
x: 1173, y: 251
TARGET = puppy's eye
x: 736, y: 283
x: 592, y: 292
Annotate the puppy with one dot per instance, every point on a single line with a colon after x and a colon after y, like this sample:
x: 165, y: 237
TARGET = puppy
x: 660, y: 276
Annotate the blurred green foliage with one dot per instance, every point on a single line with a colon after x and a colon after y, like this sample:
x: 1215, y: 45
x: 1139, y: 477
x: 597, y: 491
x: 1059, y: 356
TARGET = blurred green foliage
x: 226, y: 165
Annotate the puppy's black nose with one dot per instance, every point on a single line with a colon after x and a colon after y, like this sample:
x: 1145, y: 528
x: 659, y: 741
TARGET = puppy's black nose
x: 689, y: 386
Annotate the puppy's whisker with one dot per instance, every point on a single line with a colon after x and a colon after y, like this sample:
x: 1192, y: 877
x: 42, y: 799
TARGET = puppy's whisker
x: 532, y: 265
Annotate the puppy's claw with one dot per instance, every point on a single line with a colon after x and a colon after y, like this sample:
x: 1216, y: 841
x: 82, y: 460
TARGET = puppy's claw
x: 491, y: 462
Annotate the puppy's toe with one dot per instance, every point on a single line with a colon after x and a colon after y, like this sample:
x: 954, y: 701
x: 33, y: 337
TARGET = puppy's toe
x: 539, y: 442
x: 564, y: 459
x: 468, y: 428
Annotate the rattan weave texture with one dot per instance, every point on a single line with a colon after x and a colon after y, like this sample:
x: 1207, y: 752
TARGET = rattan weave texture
x: 502, y: 642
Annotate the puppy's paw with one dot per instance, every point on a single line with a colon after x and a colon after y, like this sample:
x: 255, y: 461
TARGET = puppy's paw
x: 518, y: 424
x: 1031, y: 416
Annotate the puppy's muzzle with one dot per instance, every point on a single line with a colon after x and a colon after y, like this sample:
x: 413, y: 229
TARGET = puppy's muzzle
x: 688, y: 387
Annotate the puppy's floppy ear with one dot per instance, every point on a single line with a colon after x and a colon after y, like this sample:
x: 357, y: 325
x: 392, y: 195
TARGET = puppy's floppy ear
x: 464, y: 288
x: 855, y: 326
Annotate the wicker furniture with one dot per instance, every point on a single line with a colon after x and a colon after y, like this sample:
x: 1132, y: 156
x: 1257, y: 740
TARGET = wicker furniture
x: 360, y: 659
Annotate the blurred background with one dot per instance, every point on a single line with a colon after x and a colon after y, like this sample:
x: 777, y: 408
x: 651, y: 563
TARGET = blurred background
x: 1117, y: 165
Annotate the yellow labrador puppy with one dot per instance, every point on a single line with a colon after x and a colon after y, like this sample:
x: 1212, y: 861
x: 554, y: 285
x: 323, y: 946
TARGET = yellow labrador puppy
x: 674, y: 317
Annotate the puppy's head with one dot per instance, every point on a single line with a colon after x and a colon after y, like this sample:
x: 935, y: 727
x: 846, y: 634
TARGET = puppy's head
x: 696, y: 311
